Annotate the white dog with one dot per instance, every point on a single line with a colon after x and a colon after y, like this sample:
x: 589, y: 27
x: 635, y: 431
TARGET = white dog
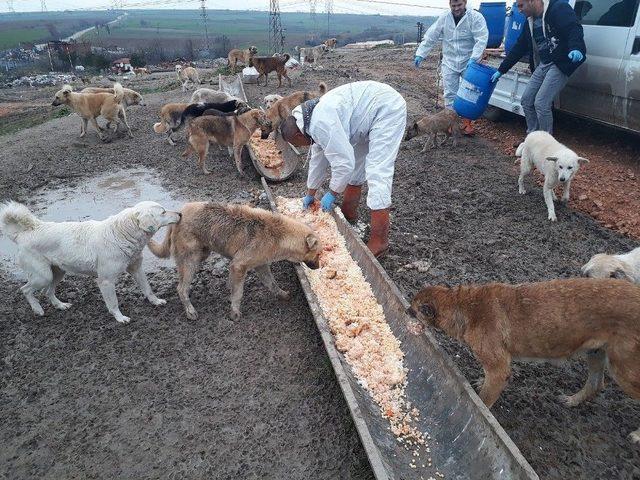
x: 105, y: 249
x: 271, y: 99
x: 208, y: 95
x: 556, y: 162
x: 624, y: 266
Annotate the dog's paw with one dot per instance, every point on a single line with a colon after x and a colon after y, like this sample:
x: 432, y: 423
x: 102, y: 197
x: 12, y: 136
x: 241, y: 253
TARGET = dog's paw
x: 63, y: 306
x: 191, y: 313
x: 634, y: 437
x: 235, y: 315
x: 38, y: 310
x: 157, y: 301
x: 552, y: 217
x: 284, y: 295
x: 478, y: 382
x: 570, y: 400
x: 522, y: 191
x: 123, y: 319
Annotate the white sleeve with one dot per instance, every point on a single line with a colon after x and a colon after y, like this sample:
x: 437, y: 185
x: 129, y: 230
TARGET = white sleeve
x: 434, y: 35
x: 330, y: 136
x: 480, y: 35
x: 318, y: 166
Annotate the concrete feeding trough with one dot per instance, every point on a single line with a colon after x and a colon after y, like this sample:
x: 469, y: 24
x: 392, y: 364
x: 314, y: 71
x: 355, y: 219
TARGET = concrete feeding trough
x: 466, y: 441
x: 290, y: 154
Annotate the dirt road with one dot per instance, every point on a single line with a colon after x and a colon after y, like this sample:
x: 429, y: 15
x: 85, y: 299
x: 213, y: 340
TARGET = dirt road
x: 168, y: 398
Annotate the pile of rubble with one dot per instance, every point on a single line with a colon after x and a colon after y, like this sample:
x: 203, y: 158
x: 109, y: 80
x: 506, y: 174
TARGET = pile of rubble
x: 51, y: 78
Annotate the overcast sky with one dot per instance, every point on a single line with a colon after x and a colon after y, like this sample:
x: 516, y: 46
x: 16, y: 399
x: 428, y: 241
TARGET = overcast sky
x: 340, y: 6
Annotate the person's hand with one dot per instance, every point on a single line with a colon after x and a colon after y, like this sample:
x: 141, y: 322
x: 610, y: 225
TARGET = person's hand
x: 495, y: 77
x: 575, y: 56
x: 307, y: 201
x: 418, y: 60
x: 327, y: 201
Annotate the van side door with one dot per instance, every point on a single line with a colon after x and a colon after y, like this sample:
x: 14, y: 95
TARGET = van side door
x: 592, y: 90
x: 628, y: 107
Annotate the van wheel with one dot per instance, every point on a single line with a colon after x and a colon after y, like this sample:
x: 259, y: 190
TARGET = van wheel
x: 493, y: 114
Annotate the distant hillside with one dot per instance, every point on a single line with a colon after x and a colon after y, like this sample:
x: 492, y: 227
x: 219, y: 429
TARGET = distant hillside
x: 39, y: 27
x: 180, y: 32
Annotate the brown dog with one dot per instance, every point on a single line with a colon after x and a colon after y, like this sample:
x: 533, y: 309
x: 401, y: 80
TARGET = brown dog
x: 230, y: 131
x: 281, y: 109
x: 546, y: 320
x: 331, y: 43
x: 445, y: 121
x: 236, y: 55
x: 92, y: 105
x: 170, y: 119
x: 131, y: 97
x: 251, y: 237
x: 265, y: 65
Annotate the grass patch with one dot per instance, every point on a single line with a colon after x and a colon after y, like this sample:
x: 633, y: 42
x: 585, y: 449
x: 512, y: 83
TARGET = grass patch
x: 13, y: 124
x: 165, y: 87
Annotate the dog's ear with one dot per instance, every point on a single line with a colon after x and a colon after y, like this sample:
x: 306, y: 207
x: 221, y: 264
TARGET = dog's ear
x: 311, y: 241
x: 146, y: 222
x: 552, y: 159
x: 582, y: 160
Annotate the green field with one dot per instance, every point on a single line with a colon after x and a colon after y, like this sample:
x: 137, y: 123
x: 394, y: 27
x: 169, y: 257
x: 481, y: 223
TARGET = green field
x: 243, y: 28
x: 41, y: 27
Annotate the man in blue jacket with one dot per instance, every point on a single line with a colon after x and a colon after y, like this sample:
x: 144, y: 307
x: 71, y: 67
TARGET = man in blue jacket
x: 554, y: 40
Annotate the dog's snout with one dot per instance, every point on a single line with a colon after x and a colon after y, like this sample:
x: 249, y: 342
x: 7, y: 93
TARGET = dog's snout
x: 411, y: 312
x: 179, y: 215
x: 312, y: 264
x: 562, y: 179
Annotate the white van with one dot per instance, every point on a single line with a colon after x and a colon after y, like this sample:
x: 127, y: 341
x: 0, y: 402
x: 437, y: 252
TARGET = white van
x: 606, y: 88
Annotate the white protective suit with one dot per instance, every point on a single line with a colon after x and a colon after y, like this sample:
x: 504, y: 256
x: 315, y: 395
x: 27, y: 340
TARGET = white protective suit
x: 460, y: 43
x: 357, y: 129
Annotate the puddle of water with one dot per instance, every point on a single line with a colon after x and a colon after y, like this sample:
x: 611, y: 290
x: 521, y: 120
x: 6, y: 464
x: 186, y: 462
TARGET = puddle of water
x: 97, y: 199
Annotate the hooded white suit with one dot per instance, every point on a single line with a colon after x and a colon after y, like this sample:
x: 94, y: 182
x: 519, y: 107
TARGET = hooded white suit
x: 460, y: 43
x: 357, y: 129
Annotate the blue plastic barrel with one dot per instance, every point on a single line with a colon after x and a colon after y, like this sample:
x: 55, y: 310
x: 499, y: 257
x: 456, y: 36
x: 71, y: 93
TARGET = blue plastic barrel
x: 474, y: 91
x: 494, y: 14
x: 515, y: 24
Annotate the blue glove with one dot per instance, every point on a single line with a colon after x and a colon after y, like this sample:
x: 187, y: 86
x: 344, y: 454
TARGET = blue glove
x: 495, y: 77
x: 307, y: 201
x: 418, y: 60
x: 470, y: 62
x: 327, y: 201
x: 575, y: 56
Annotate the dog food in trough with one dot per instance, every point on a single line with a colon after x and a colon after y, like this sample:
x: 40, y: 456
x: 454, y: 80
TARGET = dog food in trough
x: 360, y: 330
x: 266, y: 151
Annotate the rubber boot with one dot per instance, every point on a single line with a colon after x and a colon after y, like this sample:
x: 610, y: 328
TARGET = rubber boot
x: 467, y: 127
x: 350, y: 202
x: 379, y: 238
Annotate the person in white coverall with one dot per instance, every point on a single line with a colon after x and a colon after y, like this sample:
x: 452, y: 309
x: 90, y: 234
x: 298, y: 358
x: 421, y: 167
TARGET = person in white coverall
x: 464, y: 36
x: 354, y: 130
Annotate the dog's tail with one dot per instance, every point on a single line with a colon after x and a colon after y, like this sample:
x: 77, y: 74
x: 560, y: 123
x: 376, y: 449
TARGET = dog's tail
x: 15, y: 218
x: 118, y: 92
x: 162, y: 250
x: 520, y: 149
x: 322, y: 88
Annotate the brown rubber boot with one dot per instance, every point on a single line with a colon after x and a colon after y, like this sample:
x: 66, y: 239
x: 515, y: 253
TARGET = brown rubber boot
x: 379, y: 238
x: 467, y: 127
x: 350, y: 202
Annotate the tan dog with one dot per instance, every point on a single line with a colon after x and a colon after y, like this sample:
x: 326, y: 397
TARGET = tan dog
x: 312, y: 54
x: 266, y: 65
x: 230, y: 131
x: 251, y: 237
x: 625, y: 266
x: 281, y: 109
x: 131, y: 97
x: 271, y: 99
x: 187, y: 75
x: 170, y: 119
x: 445, y: 121
x: 236, y: 55
x: 331, y: 43
x: 141, y: 71
x: 92, y: 105
x: 546, y: 320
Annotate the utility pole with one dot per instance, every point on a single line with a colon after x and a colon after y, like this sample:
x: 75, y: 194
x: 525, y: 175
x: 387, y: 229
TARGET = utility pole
x: 276, y: 33
x: 203, y: 14
x: 329, y: 7
x: 420, y: 31
x: 10, y: 6
x: 43, y: 5
x: 314, y: 18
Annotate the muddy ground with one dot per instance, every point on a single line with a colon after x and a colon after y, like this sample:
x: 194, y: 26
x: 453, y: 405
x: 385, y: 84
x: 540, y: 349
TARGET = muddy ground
x: 165, y: 397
